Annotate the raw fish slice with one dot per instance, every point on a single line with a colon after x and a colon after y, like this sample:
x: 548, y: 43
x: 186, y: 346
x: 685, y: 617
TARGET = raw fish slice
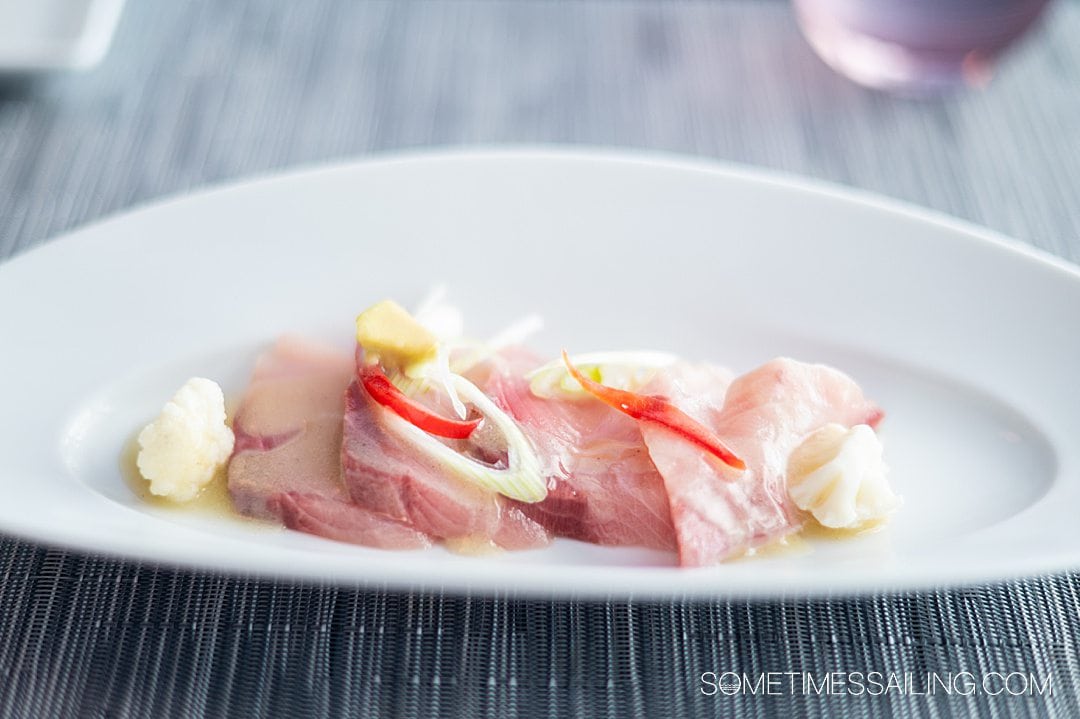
x: 286, y: 465
x: 346, y: 522
x: 387, y: 475
x: 719, y: 512
x: 602, y: 485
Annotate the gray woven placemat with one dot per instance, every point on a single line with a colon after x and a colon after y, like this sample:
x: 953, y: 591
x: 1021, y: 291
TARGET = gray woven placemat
x: 91, y: 637
x: 198, y: 92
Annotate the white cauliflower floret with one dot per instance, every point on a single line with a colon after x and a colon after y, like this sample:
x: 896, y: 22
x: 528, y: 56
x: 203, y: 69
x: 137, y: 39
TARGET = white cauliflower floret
x: 838, y: 475
x: 180, y: 451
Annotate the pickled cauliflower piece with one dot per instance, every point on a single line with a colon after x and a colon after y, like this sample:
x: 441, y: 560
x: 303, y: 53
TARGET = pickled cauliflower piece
x: 838, y: 475
x: 181, y: 450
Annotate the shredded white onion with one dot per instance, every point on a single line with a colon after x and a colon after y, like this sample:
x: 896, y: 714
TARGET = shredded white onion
x: 521, y: 480
x: 439, y: 371
x: 440, y: 318
x: 622, y: 370
x: 516, y: 333
x: 473, y: 353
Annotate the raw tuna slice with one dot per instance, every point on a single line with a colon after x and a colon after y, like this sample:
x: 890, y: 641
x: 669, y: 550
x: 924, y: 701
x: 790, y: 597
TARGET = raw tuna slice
x: 387, y: 475
x: 602, y: 485
x: 286, y: 465
x: 719, y: 512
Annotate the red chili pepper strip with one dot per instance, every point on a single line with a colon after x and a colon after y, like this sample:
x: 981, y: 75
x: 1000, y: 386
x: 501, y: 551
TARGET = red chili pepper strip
x: 651, y: 408
x: 383, y: 391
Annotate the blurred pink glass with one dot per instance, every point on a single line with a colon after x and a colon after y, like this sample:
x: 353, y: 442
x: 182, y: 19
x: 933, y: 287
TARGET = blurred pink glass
x: 915, y: 46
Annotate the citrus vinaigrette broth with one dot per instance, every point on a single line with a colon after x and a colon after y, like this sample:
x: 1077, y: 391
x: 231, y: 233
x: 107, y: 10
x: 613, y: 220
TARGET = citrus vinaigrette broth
x: 213, y: 500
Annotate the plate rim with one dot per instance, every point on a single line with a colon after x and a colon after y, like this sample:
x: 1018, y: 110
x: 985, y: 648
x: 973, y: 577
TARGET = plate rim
x: 614, y: 154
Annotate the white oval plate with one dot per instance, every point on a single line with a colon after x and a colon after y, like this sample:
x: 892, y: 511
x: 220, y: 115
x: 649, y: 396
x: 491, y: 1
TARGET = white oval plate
x: 969, y: 341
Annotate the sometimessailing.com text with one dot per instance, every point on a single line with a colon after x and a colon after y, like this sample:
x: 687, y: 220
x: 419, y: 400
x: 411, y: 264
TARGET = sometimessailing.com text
x: 872, y: 683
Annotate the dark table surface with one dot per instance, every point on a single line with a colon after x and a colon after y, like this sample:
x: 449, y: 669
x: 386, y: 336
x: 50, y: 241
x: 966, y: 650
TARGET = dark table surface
x: 200, y: 92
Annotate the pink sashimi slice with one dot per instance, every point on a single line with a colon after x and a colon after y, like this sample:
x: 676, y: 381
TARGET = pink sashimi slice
x: 388, y: 475
x: 286, y: 464
x: 602, y: 485
x: 346, y: 522
x: 720, y: 512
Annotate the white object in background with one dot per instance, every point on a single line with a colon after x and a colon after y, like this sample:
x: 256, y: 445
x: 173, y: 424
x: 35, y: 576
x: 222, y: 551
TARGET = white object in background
x: 40, y: 35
